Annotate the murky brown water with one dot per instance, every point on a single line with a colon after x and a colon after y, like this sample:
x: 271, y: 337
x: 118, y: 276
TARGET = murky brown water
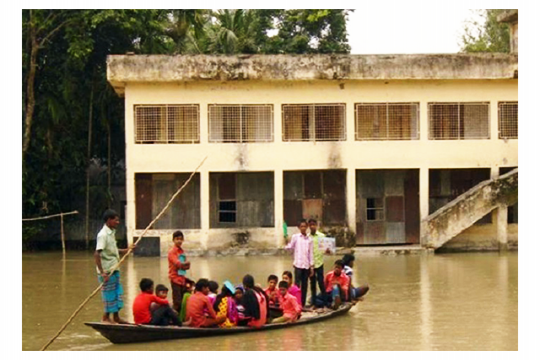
x: 436, y: 302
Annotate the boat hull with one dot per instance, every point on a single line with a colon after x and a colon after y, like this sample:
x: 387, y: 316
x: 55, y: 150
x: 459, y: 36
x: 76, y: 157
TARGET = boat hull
x: 131, y: 333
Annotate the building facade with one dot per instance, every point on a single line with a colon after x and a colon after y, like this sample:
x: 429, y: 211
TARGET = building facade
x: 368, y: 143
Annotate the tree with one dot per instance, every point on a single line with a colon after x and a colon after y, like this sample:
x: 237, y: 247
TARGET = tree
x: 487, y: 35
x: 72, y: 118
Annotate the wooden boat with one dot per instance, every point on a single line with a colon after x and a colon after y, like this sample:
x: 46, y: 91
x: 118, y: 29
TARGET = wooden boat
x: 131, y: 333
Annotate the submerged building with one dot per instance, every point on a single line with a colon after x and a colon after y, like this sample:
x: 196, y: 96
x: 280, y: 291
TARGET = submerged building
x: 372, y: 144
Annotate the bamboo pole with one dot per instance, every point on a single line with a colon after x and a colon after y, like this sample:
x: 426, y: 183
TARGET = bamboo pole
x: 62, y: 237
x: 51, y: 216
x: 123, y: 257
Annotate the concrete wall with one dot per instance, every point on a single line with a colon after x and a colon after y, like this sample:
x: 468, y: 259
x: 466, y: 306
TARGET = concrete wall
x: 279, y: 156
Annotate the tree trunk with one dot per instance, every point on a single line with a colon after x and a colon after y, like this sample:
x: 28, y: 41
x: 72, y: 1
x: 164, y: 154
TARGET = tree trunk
x: 30, y: 99
x: 89, y: 155
x: 109, y: 165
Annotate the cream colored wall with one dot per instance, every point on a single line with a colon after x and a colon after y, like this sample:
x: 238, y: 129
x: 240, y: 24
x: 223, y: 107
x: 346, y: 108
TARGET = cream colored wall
x: 279, y: 156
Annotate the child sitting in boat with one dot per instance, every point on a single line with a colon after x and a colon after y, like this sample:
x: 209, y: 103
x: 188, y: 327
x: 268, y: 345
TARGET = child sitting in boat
x: 289, y: 304
x: 198, y: 304
x: 213, y: 287
x: 163, y: 315
x: 355, y: 293
x: 336, y: 284
x: 293, y: 289
x: 189, y: 287
x: 272, y: 291
x: 226, y: 306
x: 255, y: 302
x: 238, y: 297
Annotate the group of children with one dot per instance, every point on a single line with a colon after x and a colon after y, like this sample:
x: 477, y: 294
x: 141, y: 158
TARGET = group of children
x: 198, y: 304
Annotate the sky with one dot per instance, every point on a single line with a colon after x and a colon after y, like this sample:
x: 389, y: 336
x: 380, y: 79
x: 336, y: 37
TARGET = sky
x: 407, y: 31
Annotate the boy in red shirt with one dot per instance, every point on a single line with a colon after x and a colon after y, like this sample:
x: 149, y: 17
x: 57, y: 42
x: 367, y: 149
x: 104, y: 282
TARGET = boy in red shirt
x: 178, y: 265
x: 291, y: 309
x: 272, y: 291
x: 162, y: 316
x: 336, y: 284
x: 199, y: 309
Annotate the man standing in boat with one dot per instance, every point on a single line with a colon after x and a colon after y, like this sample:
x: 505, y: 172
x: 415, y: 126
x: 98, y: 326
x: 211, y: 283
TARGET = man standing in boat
x: 107, y: 256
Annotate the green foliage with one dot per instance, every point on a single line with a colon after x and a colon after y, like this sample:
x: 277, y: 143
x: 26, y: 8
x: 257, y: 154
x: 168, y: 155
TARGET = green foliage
x: 487, y: 35
x: 71, y: 64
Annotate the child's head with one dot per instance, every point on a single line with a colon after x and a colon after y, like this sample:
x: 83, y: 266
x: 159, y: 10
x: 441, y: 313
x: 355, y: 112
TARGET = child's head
x: 178, y: 238
x: 283, y: 287
x: 287, y: 276
x: 213, y: 286
x: 248, y: 281
x: 312, y: 223
x: 272, y: 282
x: 202, y: 286
x: 161, y: 291
x: 303, y: 225
x: 190, y: 285
x: 238, y: 293
x: 348, y: 260
x: 228, y: 288
x: 147, y: 285
x: 338, y: 267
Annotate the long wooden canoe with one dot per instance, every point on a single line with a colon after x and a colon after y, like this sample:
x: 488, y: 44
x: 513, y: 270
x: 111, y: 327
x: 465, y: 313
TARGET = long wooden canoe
x: 131, y: 333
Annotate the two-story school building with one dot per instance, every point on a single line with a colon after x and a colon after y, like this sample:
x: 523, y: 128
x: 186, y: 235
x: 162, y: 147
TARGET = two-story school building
x: 371, y: 143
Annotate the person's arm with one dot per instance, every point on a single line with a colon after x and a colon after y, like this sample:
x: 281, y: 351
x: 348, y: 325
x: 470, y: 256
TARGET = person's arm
x: 97, y: 259
x: 160, y: 301
x: 173, y: 259
x: 292, y: 244
x: 100, y: 245
x: 311, y: 259
x: 210, y: 308
x: 124, y: 251
x: 345, y: 286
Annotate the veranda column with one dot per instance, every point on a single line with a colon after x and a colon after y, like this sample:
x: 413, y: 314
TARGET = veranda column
x: 205, y: 208
x: 278, y: 207
x: 424, y: 201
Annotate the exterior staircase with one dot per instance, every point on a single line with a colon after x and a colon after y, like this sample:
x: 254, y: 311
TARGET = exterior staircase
x: 462, y: 212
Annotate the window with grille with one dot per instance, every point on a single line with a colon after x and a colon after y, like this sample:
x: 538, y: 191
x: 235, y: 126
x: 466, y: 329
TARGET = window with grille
x: 241, y: 123
x: 166, y: 124
x: 458, y: 121
x: 313, y: 122
x: 386, y: 121
x: 508, y: 120
x: 375, y: 209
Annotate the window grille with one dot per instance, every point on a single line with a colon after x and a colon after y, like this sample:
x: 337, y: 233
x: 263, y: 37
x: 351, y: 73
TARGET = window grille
x: 313, y: 122
x: 458, y: 121
x: 241, y: 123
x: 387, y: 121
x: 375, y: 209
x: 165, y: 124
x: 508, y: 120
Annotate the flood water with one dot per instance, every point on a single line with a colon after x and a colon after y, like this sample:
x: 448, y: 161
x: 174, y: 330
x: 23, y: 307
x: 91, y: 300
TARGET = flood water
x: 416, y: 302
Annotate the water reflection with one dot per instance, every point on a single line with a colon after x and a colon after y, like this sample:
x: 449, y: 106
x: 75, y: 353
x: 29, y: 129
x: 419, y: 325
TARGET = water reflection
x: 441, y: 302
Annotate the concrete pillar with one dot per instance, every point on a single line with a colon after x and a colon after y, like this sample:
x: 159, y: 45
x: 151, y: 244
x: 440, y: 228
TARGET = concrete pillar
x: 130, y: 204
x: 278, y: 207
x: 424, y: 200
x: 424, y: 121
x: 351, y: 199
x: 494, y: 122
x: 502, y: 227
x: 205, y: 208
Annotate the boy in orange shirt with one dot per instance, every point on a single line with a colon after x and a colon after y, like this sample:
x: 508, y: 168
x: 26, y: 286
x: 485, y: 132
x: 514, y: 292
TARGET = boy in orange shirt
x: 291, y: 309
x: 336, y: 284
x: 178, y: 264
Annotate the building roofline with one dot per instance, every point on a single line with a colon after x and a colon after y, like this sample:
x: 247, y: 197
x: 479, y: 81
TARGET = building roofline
x: 508, y: 16
x: 123, y: 69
